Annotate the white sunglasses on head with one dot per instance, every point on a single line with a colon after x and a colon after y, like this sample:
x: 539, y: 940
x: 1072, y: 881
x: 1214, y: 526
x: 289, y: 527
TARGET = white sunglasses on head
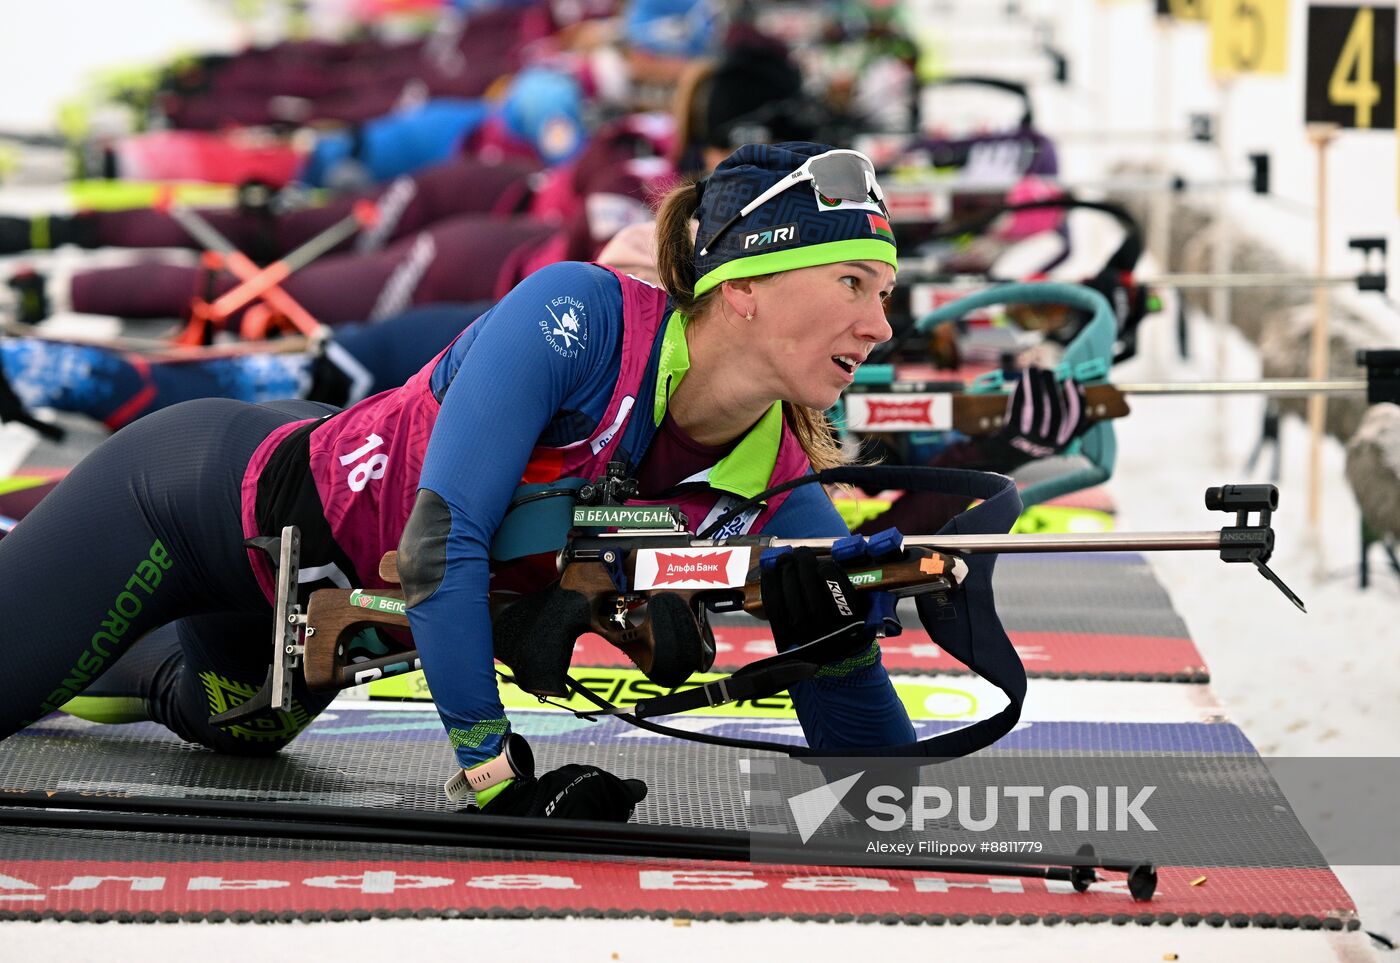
x: 840, y: 174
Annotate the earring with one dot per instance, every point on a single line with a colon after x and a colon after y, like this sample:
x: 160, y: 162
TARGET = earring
x: 748, y: 316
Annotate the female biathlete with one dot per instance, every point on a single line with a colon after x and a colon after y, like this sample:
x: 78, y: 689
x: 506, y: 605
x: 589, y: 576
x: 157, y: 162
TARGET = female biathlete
x: 707, y: 390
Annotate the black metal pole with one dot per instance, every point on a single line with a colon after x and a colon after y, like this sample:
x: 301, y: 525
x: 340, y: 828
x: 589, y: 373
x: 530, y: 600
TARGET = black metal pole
x: 580, y: 845
x: 254, y: 828
x: 67, y: 810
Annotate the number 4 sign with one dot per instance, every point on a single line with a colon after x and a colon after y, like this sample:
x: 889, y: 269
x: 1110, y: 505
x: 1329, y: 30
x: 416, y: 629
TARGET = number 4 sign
x: 1351, y: 67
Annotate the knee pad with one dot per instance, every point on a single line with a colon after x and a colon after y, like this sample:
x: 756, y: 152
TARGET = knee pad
x: 423, y: 547
x: 108, y: 710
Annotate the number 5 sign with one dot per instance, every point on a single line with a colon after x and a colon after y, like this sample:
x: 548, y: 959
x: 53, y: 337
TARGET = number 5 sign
x: 1248, y: 37
x: 1351, y: 67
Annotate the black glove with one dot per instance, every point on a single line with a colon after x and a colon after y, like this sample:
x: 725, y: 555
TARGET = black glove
x: 570, y: 792
x: 1042, y: 416
x: 807, y: 597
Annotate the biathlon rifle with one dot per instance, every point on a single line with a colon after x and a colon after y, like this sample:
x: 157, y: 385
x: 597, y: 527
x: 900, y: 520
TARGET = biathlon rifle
x: 632, y: 574
x: 880, y: 403
x: 635, y: 576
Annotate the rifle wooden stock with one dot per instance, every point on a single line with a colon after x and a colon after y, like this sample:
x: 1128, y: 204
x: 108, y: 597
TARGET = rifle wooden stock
x: 636, y: 640
x: 922, y: 569
x: 389, y: 568
x: 331, y: 621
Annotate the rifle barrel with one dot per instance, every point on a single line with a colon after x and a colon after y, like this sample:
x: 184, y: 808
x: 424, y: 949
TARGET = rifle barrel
x: 1051, y: 542
x: 1278, y: 387
x: 955, y: 184
x: 919, y: 269
x: 1161, y: 185
x: 1248, y: 280
x: 1182, y: 135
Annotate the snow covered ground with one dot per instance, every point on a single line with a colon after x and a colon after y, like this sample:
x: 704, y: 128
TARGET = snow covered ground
x: 1324, y: 683
x: 1320, y: 684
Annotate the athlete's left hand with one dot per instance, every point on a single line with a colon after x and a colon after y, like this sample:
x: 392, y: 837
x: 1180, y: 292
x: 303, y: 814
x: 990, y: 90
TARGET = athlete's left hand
x: 807, y: 597
x: 1043, y: 415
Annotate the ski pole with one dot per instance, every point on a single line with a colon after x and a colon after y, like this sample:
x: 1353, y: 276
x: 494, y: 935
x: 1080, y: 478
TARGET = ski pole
x: 362, y: 215
x: 242, y: 267
x: 49, y: 808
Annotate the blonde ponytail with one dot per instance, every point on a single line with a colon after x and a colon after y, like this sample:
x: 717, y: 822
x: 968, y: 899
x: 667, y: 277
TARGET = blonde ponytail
x: 675, y: 249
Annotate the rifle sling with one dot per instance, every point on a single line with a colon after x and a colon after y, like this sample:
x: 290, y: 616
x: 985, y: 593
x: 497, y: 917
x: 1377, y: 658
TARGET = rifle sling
x: 756, y: 680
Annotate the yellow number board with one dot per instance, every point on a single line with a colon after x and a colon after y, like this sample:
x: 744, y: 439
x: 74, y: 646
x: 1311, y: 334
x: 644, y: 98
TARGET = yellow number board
x: 1350, y: 77
x: 1248, y: 37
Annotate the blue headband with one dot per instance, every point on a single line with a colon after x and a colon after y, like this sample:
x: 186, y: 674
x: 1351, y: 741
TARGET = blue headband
x: 797, y: 228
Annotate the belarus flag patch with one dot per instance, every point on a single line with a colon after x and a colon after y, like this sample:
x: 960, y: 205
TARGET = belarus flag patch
x: 880, y: 227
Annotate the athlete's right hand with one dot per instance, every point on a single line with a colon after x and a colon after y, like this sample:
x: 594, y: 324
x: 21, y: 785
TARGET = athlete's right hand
x: 570, y: 792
